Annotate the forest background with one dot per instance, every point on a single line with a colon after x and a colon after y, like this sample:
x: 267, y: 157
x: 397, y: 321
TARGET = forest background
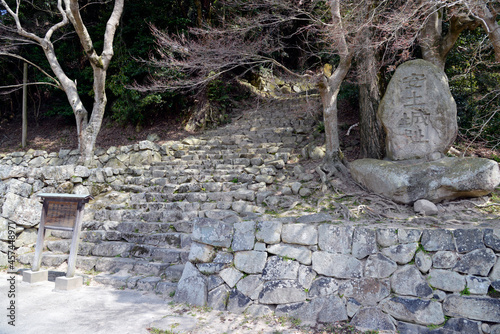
x: 136, y: 102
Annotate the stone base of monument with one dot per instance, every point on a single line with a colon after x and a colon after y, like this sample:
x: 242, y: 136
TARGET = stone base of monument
x: 439, y: 180
x: 65, y: 283
x: 35, y: 276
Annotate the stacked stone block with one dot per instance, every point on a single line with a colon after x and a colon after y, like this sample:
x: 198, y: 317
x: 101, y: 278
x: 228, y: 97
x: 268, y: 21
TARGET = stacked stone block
x: 391, y: 279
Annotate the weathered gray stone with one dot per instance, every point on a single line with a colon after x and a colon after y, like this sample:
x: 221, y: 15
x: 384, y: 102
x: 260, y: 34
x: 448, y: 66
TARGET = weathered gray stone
x: 231, y: 276
x: 333, y: 310
x: 282, y: 292
x: 407, y: 328
x: 238, y: 302
x: 495, y: 271
x: 223, y: 257
x: 409, y: 235
x: 461, y: 325
x: 299, y: 253
x: 251, y: 286
x: 477, y: 285
x: 307, y: 312
x: 408, y: 281
x: 111, y: 249
x: 210, y: 268
x: 259, y: 311
x: 244, y: 236
x: 438, y: 240
x: 335, y: 239
x: 446, y: 280
x: 444, y: 259
x: 24, y: 211
x: 364, y: 243
x: 26, y: 238
x: 418, y: 112
x: 352, y: 306
x: 269, y: 232
x: 301, y: 234
x: 336, y: 265
x: 423, y: 261
x: 402, y: 254
x: 201, y: 253
x: 192, y: 287
x: 478, y: 262
x: 475, y: 308
x: 367, y: 291
x: 387, y: 237
x: 492, y: 238
x: 250, y: 262
x: 212, y: 232
x: 468, y: 239
x: 147, y: 283
x: 372, y: 319
x: 214, y: 281
x: 435, y: 181
x: 422, y: 312
x: 379, y: 266
x: 322, y: 287
x: 278, y: 268
x: 306, y: 276
x: 425, y: 207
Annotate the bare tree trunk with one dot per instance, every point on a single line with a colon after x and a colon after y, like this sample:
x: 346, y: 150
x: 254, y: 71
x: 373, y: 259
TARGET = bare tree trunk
x: 69, y: 10
x: 434, y: 45
x: 25, y: 106
x: 329, y: 90
x: 490, y: 24
x: 372, y: 136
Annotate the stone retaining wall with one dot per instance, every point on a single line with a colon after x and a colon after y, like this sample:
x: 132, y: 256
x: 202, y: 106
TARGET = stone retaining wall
x: 406, y: 279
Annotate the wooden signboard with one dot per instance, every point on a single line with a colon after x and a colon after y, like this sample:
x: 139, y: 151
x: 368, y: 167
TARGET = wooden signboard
x: 61, y: 212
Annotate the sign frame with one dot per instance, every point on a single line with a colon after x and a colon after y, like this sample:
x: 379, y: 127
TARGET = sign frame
x: 57, y: 215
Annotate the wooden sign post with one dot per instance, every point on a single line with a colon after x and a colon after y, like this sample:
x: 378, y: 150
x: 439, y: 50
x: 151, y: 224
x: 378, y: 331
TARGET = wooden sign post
x: 61, y: 212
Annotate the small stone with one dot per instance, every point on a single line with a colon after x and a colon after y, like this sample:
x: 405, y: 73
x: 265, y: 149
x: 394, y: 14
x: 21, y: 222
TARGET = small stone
x: 379, y: 266
x: 299, y: 253
x: 192, y: 287
x: 475, y: 308
x: 231, y: 276
x: 446, y: 280
x: 335, y: 239
x: 468, y: 239
x: 367, y: 291
x: 408, y: 281
x: 238, y: 302
x: 438, y: 240
x: 278, y: 268
x: 322, y: 287
x: 423, y: 261
x: 425, y: 207
x: 336, y: 265
x: 387, y: 237
x: 251, y: 286
x: 372, y: 319
x: 269, y: 232
x: 402, y: 254
x: 301, y: 234
x: 364, y: 243
x: 422, y: 312
x: 477, y: 285
x: 282, y: 292
x: 444, y: 259
x: 478, y: 262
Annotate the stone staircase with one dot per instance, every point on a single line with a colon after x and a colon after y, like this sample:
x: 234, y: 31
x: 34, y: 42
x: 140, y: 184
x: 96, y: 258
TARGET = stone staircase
x: 138, y: 235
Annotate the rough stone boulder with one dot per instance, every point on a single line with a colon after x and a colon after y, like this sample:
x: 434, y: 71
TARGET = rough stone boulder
x: 418, y: 112
x: 447, y: 178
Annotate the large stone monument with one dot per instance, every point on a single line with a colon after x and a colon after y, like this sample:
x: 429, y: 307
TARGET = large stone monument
x: 419, y: 116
